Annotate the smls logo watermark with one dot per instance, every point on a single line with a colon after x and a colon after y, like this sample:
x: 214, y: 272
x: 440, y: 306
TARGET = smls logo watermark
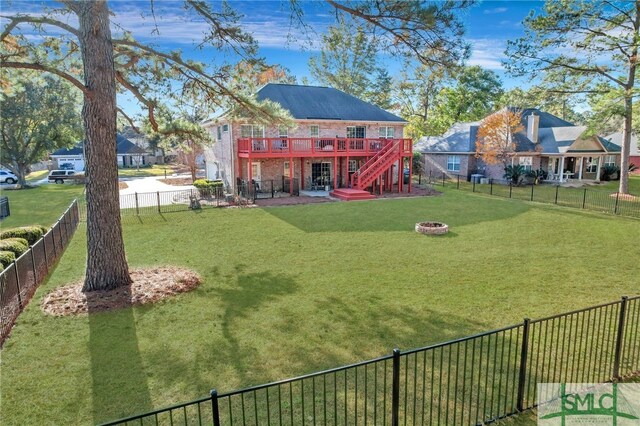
x: 588, y: 403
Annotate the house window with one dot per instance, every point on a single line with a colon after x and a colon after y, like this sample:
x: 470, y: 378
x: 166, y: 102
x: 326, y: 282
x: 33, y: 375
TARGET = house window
x: 526, y: 162
x: 453, y: 163
x: 387, y: 132
x: 592, y: 164
x: 283, y: 132
x: 610, y: 160
x: 287, y: 169
x: 356, y: 132
x: 225, y: 128
x: 251, y: 131
x: 219, y: 132
x: 314, y: 131
x: 353, y: 166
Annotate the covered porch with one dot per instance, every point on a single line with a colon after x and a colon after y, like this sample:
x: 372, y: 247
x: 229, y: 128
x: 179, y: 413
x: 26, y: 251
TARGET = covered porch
x: 576, y: 167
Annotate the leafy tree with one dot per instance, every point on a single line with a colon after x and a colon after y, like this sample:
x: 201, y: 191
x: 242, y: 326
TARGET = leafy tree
x: 606, y: 111
x: 39, y: 114
x: 495, y: 139
x: 382, y: 90
x: 475, y: 94
x: 347, y: 59
x: 591, y: 41
x: 430, y: 31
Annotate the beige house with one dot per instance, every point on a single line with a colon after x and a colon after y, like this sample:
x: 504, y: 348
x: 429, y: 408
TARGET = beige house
x: 549, y: 143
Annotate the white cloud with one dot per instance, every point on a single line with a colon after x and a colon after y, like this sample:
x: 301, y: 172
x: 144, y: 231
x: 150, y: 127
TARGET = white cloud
x: 487, y: 53
x: 495, y: 10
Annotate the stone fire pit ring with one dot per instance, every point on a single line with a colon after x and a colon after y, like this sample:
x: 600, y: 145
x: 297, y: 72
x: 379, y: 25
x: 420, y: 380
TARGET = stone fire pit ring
x: 432, y: 228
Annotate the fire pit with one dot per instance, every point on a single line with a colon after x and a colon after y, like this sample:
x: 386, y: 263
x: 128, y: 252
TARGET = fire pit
x: 432, y: 228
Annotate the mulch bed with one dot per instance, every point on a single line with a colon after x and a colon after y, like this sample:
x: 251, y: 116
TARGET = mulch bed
x: 416, y: 191
x: 122, y: 185
x: 149, y: 285
x: 177, y: 181
x: 625, y: 197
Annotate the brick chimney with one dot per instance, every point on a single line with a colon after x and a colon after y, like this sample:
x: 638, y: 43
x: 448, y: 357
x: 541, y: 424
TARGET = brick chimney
x: 532, y: 127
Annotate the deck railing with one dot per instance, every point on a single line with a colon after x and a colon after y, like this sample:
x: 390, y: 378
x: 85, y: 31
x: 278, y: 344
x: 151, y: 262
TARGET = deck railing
x: 318, y: 146
x: 468, y: 381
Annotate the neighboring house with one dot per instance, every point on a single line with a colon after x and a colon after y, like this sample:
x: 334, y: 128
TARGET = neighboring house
x: 338, y: 141
x: 634, y: 152
x: 129, y: 155
x: 141, y: 140
x: 547, y: 142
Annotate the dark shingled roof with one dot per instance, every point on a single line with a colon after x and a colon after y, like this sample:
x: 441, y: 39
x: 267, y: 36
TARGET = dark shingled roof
x: 323, y: 103
x: 123, y: 146
x: 546, y: 120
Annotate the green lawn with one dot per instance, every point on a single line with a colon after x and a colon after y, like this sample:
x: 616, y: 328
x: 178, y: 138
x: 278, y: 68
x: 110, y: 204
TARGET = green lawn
x: 291, y: 290
x: 36, y: 176
x: 155, y: 170
x: 42, y: 205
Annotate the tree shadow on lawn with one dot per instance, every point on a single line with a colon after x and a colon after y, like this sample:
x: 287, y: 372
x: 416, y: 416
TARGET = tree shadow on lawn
x: 119, y: 381
x: 241, y: 295
x: 395, y: 214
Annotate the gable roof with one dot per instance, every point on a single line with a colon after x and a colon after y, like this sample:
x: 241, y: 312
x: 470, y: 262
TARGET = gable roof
x: 123, y: 146
x: 323, y: 103
x: 555, y: 136
x: 616, y: 140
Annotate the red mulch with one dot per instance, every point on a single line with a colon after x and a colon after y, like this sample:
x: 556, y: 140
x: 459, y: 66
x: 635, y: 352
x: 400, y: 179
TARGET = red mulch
x: 149, y: 286
x: 290, y: 201
x: 626, y: 197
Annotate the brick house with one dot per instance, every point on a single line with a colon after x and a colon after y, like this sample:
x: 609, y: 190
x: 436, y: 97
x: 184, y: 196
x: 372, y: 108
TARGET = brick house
x: 547, y: 142
x: 338, y: 143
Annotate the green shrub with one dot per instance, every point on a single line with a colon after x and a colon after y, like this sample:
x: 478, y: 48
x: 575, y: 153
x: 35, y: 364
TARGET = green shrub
x: 29, y: 233
x: 207, y: 187
x: 608, y: 172
x: 6, y: 257
x: 45, y: 229
x: 514, y: 174
x: 15, y: 245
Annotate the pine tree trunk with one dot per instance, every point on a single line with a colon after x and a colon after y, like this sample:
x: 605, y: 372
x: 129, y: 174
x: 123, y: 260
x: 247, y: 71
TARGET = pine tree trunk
x: 106, y: 262
x: 626, y: 147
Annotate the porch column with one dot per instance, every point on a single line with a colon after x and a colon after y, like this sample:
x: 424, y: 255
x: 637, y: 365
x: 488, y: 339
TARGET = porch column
x: 335, y: 168
x: 291, y: 175
x: 599, y: 166
x: 410, y: 174
x: 348, y: 181
x: 400, y: 172
x: 561, y: 169
x: 580, y: 170
x: 239, y: 172
x: 302, y: 173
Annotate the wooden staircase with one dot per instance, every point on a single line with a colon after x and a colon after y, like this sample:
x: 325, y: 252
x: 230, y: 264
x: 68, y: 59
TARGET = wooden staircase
x: 371, y: 170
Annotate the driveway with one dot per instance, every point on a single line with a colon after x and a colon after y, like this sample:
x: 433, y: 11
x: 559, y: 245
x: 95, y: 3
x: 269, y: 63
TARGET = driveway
x: 151, y: 192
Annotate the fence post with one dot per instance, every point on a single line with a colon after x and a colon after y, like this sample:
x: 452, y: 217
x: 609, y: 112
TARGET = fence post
x: 273, y: 193
x: 214, y: 408
x: 395, y: 396
x: 15, y: 271
x: 44, y: 249
x: 457, y: 184
x: 420, y: 178
x: 491, y: 186
x: 33, y: 265
x: 443, y: 175
x: 584, y: 198
x: 615, y: 209
x: 137, y: 207
x: 158, y: 194
x: 510, y: 188
x: 557, y: 188
x: 532, y: 186
x: 523, y: 364
x: 474, y: 184
x: 619, y: 338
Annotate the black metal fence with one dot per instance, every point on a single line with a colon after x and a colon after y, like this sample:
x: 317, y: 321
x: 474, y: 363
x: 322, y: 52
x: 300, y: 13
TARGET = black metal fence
x: 268, y: 188
x: 581, y: 198
x: 4, y: 207
x: 19, y: 281
x: 468, y: 381
x: 147, y: 203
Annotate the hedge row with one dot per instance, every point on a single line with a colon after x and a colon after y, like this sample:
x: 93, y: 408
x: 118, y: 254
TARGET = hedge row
x: 29, y: 233
x: 16, y: 245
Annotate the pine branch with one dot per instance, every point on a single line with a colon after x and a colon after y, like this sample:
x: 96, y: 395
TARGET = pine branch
x: 16, y: 20
x: 44, y: 68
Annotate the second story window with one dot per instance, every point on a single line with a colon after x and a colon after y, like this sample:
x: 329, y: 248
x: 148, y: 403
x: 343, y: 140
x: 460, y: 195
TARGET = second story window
x: 283, y: 132
x: 387, y: 132
x: 251, y: 131
x: 356, y: 132
x: 314, y: 131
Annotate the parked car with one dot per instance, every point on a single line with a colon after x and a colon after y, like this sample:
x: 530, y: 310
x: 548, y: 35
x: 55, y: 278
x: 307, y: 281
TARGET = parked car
x: 60, y: 176
x: 7, y: 177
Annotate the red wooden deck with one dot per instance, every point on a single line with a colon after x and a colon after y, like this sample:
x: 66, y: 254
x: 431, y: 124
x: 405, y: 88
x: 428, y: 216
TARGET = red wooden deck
x: 316, y: 147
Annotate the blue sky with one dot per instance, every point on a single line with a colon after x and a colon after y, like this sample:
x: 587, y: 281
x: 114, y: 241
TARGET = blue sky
x: 489, y: 25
